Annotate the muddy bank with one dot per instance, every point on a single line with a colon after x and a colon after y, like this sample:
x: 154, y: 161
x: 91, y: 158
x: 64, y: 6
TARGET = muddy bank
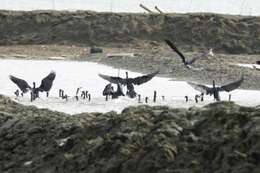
x: 221, y: 137
x: 192, y: 32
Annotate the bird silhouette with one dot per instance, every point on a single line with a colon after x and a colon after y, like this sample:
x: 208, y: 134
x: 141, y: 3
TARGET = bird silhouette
x: 129, y: 82
x: 46, y: 84
x: 186, y: 62
x: 214, y: 90
x: 109, y: 91
x: 124, y: 81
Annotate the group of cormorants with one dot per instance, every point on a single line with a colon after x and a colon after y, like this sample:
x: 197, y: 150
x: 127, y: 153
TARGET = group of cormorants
x: 128, y: 82
x: 47, y: 82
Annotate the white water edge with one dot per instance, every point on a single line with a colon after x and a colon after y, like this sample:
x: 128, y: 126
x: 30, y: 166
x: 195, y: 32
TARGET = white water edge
x: 73, y: 74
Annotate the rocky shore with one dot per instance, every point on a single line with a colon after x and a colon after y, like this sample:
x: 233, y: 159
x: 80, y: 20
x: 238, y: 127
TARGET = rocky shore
x: 220, y: 137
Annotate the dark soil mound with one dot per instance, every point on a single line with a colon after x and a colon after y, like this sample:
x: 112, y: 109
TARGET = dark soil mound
x: 220, y: 137
x: 227, y: 34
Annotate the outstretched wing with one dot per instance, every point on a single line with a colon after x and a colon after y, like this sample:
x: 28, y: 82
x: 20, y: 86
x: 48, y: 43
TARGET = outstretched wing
x: 112, y: 79
x: 47, y: 82
x: 22, y: 84
x: 176, y: 50
x: 142, y: 79
x: 201, y: 88
x: 234, y: 85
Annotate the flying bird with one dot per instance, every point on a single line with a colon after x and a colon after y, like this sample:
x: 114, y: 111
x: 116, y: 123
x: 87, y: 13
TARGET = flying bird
x: 215, y: 90
x: 186, y: 62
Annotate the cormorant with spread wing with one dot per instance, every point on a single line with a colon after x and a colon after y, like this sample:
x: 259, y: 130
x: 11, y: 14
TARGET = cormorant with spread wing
x: 186, y: 62
x: 46, y: 84
x: 129, y: 82
x: 124, y: 81
x: 215, y: 90
x: 22, y: 84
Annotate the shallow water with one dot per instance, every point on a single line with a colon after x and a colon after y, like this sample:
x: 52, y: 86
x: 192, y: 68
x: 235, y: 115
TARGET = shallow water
x: 242, y: 7
x: 73, y: 74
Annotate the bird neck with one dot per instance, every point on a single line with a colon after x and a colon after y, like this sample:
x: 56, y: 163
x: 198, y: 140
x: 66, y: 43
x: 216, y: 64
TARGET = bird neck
x: 213, y: 83
x: 126, y: 73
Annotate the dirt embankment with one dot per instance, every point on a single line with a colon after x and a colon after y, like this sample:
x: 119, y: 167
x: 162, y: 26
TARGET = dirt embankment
x: 192, y: 32
x: 221, y: 137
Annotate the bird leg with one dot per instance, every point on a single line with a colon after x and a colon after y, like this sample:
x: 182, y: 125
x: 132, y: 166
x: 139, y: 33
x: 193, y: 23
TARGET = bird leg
x: 86, y: 94
x: 139, y: 98
x: 216, y: 96
x: 47, y: 94
x: 32, y: 96
x: 60, y: 91
x: 229, y: 97
x: 202, y: 97
x: 196, y: 98
x: 83, y: 95
x: 186, y: 98
x: 146, y: 99
x: 163, y: 98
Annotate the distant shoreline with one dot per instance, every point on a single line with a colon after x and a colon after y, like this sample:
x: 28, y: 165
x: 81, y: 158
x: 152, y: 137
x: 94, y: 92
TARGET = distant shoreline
x: 191, y: 32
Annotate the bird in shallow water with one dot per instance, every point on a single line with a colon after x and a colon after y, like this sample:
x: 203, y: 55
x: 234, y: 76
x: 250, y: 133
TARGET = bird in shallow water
x: 46, y: 84
x: 130, y: 90
x: 188, y: 63
x: 22, y: 84
x: 109, y: 91
x: 129, y: 82
x: 214, y: 90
